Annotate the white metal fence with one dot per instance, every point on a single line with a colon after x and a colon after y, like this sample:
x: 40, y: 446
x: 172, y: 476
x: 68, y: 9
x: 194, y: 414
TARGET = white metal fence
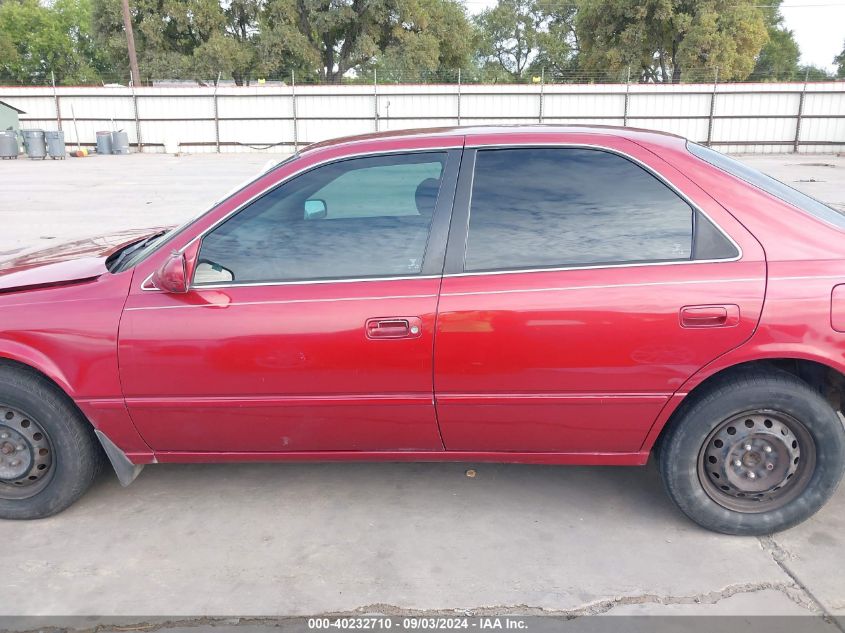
x: 747, y: 117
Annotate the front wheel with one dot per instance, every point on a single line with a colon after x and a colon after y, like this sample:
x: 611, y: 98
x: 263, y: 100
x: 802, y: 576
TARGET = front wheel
x: 754, y: 454
x: 49, y: 455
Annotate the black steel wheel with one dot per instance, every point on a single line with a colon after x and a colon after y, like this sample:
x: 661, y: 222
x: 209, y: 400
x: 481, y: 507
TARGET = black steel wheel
x: 754, y: 452
x: 757, y: 461
x: 49, y: 455
x: 26, y: 455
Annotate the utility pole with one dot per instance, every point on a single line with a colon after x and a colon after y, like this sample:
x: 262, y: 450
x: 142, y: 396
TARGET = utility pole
x: 130, y: 42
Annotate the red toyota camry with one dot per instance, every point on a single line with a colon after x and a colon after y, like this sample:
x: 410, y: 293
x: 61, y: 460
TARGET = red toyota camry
x: 545, y: 295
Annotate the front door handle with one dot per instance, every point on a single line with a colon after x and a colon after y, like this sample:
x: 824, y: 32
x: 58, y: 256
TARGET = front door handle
x: 710, y: 316
x: 394, y: 327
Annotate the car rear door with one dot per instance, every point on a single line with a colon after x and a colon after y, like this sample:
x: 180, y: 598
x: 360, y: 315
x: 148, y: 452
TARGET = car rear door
x: 583, y: 286
x: 309, y: 323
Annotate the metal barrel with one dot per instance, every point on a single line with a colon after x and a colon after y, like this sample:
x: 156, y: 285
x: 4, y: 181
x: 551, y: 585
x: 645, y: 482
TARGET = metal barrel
x: 104, y: 142
x: 9, y: 144
x: 119, y: 142
x: 33, y: 140
x: 55, y: 143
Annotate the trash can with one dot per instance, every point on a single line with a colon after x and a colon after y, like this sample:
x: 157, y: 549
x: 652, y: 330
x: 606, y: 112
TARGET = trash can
x: 9, y: 144
x: 119, y: 142
x: 104, y: 142
x: 55, y: 143
x: 33, y: 141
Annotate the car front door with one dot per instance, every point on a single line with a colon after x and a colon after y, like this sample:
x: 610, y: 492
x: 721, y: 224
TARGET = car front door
x: 581, y: 290
x: 309, y: 322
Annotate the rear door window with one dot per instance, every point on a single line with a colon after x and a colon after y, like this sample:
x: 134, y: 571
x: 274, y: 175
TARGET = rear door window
x: 557, y: 207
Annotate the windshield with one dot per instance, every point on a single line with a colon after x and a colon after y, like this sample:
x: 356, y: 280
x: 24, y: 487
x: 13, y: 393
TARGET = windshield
x: 138, y: 251
x: 770, y: 185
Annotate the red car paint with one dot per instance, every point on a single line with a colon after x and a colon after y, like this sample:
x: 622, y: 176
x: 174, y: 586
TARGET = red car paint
x: 580, y: 366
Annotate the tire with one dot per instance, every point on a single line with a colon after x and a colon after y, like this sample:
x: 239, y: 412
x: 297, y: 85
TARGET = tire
x: 49, y: 455
x: 756, y: 453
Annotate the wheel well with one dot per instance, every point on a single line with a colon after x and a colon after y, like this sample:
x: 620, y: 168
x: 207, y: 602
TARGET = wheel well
x: 829, y: 382
x: 23, y: 367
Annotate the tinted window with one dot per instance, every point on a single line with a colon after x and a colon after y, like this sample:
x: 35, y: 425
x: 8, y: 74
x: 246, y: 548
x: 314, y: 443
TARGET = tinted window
x: 535, y: 208
x: 769, y: 185
x: 363, y: 217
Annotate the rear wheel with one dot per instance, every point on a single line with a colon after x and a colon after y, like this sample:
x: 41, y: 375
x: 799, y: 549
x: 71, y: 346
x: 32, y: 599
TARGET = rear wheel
x: 754, y: 454
x: 49, y: 455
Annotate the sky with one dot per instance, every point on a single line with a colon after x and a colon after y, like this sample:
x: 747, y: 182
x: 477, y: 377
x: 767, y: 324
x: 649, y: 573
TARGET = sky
x: 818, y: 25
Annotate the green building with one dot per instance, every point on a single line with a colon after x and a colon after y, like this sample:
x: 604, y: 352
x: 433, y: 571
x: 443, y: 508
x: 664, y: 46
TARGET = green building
x: 9, y: 117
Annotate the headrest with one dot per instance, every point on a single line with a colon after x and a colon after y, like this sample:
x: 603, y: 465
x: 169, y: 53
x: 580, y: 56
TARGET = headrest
x: 426, y: 196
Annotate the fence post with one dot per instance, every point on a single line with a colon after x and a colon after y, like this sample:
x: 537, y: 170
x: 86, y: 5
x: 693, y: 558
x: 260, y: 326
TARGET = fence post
x: 293, y: 106
x: 542, y: 90
x: 800, y: 113
x: 216, y: 117
x: 137, y: 120
x: 627, y: 89
x: 712, y: 108
x: 375, y: 98
x: 459, y: 96
x: 56, y: 101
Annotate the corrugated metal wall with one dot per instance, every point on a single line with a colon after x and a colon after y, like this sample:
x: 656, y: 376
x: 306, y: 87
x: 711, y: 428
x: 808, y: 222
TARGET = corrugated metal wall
x: 768, y: 117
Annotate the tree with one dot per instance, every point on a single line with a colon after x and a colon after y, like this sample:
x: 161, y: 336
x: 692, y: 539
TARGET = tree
x: 558, y: 41
x: 9, y: 56
x: 778, y: 60
x: 332, y: 37
x: 183, y: 39
x: 809, y: 72
x: 37, y: 40
x: 509, y: 35
x: 442, y: 40
x: 519, y: 37
x: 663, y: 39
x: 839, y: 60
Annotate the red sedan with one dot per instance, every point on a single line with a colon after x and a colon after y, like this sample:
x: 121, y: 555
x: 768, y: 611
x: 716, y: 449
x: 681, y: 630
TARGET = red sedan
x: 544, y: 295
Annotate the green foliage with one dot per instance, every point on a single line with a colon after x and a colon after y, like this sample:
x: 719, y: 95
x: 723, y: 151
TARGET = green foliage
x: 519, y: 38
x: 179, y: 39
x: 660, y: 39
x: 325, y: 39
x: 839, y: 60
x: 778, y: 60
x: 83, y: 41
x: 440, y: 37
x: 814, y: 73
x: 35, y: 40
x: 508, y: 36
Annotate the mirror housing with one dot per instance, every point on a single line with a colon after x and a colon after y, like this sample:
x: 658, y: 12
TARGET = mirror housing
x: 315, y: 209
x: 172, y: 276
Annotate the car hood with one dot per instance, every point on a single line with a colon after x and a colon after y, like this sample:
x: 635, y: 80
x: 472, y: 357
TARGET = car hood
x: 68, y: 263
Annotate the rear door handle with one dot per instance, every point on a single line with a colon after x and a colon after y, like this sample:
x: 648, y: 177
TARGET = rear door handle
x: 394, y: 327
x: 709, y: 316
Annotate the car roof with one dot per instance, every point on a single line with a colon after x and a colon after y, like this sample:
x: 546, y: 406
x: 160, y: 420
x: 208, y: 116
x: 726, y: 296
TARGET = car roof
x: 635, y: 134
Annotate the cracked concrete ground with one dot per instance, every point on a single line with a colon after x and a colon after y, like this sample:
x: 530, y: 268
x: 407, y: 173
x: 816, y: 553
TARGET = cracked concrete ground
x: 266, y: 540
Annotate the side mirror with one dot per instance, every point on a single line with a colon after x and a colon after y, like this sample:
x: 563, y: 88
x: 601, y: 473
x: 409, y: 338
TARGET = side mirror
x: 315, y: 209
x: 173, y: 275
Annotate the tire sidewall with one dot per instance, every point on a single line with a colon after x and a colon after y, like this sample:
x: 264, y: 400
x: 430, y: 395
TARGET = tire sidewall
x: 72, y: 456
x: 681, y: 452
